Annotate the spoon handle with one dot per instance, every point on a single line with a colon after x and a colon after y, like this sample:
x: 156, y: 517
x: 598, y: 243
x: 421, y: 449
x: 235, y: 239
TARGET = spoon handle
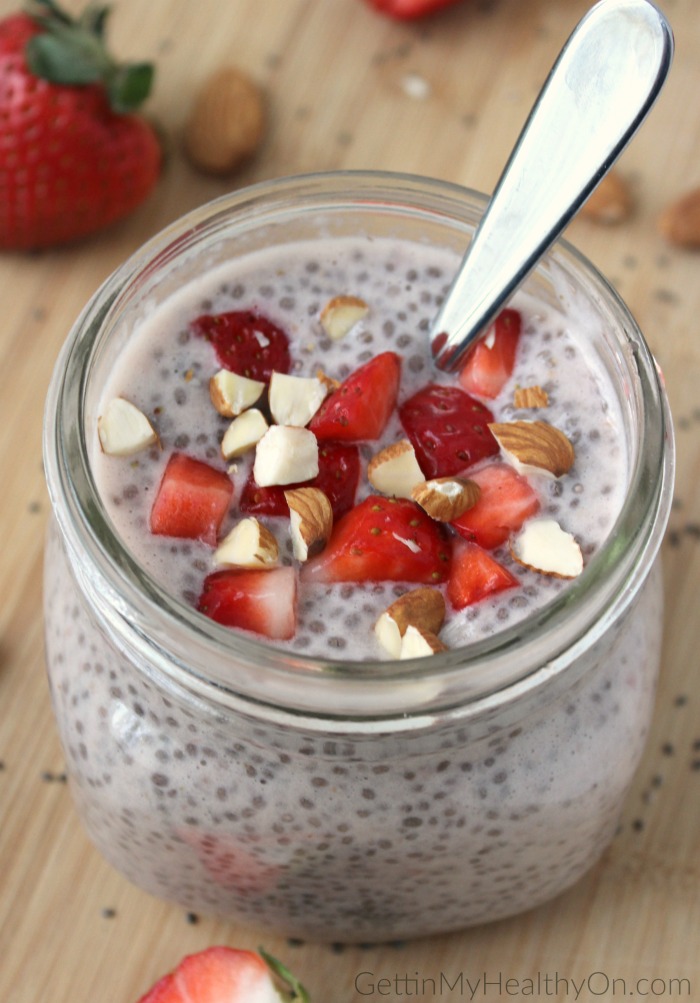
x: 601, y: 87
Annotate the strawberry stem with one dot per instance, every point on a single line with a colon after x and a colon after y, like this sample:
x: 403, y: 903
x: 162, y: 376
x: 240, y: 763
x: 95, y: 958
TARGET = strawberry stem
x: 290, y: 981
x: 72, y: 52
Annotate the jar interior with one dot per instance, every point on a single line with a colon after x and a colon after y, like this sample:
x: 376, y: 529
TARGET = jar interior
x: 445, y: 216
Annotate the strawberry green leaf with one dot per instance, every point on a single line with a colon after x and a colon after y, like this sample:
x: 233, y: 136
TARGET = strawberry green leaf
x: 129, y: 86
x: 65, y: 55
x: 94, y: 20
x: 49, y: 10
x: 72, y: 52
x: 282, y: 972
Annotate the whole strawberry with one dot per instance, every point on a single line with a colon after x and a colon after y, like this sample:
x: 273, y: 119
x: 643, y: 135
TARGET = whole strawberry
x: 73, y: 157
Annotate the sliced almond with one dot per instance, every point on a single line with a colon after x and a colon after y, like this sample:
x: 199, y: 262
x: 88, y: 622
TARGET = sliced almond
x: 395, y: 471
x: 285, y: 454
x: 310, y: 521
x: 123, y: 429
x: 232, y: 393
x: 417, y: 643
x: 341, y: 314
x: 294, y: 400
x: 610, y: 202
x: 446, y: 498
x: 243, y: 433
x: 530, y: 397
x: 542, y: 545
x: 248, y: 545
x: 679, y: 223
x: 534, y: 447
x: 423, y: 608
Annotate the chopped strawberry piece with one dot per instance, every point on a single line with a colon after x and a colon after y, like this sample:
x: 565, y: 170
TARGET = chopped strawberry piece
x: 507, y: 500
x: 219, y: 975
x: 475, y: 575
x: 405, y: 10
x: 261, y: 601
x: 192, y: 500
x: 361, y: 406
x: 492, y: 359
x: 246, y: 343
x: 338, y: 474
x: 383, y: 539
x: 448, y: 429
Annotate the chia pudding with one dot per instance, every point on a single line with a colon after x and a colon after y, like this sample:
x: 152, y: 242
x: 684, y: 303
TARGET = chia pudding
x: 166, y: 372
x: 313, y: 785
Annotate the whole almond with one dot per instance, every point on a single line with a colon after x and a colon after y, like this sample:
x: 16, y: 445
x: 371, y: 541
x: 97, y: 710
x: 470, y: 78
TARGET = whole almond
x: 226, y: 123
x: 679, y: 223
x: 535, y: 445
x: 610, y: 202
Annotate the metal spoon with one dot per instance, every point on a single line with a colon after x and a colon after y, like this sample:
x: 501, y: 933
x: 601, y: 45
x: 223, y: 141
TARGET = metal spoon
x: 599, y: 91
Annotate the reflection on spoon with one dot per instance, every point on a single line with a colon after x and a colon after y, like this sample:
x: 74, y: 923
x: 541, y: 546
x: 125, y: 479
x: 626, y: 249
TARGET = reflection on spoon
x: 604, y: 82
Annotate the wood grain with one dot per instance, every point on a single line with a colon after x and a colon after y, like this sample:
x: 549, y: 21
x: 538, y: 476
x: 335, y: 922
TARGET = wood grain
x: 347, y: 88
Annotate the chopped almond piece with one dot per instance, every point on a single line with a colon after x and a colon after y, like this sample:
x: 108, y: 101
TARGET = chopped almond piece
x: 310, y: 521
x: 424, y: 608
x: 679, y: 223
x: 232, y: 393
x: 329, y: 383
x: 123, y: 429
x: 446, y: 498
x: 248, y: 545
x: 542, y: 545
x: 530, y: 397
x: 395, y: 471
x: 534, y: 447
x: 285, y: 454
x: 243, y: 433
x: 417, y: 643
x: 341, y: 314
x: 294, y: 400
x: 610, y: 202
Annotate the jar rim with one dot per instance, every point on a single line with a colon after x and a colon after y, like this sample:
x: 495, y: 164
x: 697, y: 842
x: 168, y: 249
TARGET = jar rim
x: 216, y: 661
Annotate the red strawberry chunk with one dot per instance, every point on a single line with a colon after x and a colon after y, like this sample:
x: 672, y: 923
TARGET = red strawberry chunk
x: 475, y: 575
x: 216, y: 975
x: 338, y: 474
x: 492, y: 359
x: 383, y: 539
x: 361, y: 406
x: 448, y: 429
x: 507, y: 500
x: 246, y: 343
x: 261, y: 601
x: 405, y: 10
x: 192, y: 500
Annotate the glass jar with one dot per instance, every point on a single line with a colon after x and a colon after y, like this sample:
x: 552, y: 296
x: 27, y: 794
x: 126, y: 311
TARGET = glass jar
x: 326, y: 799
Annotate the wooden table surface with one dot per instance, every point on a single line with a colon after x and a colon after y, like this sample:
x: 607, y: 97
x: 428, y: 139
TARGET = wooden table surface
x: 347, y: 88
